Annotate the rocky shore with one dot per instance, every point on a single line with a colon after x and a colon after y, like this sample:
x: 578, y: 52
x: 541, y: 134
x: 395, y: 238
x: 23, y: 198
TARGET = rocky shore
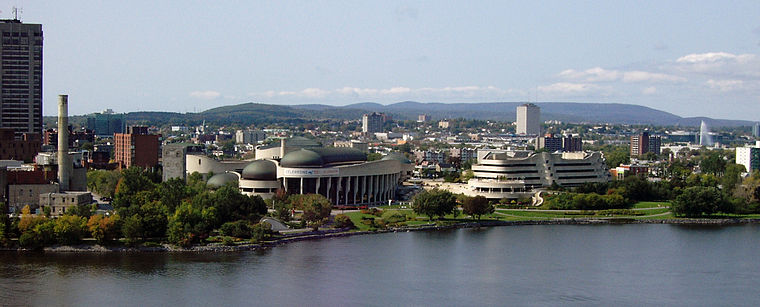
x: 336, y: 233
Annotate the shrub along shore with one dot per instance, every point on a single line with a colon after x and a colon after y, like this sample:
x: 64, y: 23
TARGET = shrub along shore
x: 336, y: 233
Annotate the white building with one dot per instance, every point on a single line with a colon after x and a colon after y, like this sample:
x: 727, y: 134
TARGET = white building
x: 500, y: 174
x: 749, y: 156
x: 529, y: 119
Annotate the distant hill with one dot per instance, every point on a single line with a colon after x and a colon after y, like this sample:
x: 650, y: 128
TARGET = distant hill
x: 572, y: 112
x: 258, y: 113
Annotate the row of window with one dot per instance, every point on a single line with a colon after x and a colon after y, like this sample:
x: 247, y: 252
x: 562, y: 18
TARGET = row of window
x: 20, y: 34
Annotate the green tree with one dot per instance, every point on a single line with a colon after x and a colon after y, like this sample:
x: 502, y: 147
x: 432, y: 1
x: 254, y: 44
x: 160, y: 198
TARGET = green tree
x: 477, y: 206
x: 434, y: 203
x: 70, y: 228
x: 316, y: 208
x: 103, y: 228
x: 132, y: 229
x: 620, y: 155
x: 698, y: 200
x: 133, y: 180
x: 713, y: 164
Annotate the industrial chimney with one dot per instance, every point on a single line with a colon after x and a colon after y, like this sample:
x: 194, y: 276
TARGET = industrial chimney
x: 64, y: 163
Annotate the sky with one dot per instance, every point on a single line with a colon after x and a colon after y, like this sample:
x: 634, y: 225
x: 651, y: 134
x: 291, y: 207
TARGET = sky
x: 690, y: 58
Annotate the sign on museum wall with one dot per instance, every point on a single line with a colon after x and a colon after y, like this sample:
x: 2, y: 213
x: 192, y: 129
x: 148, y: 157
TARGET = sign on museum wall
x: 310, y: 172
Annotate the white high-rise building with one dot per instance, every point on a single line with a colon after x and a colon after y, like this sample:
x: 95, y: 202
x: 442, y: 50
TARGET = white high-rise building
x: 529, y: 119
x: 749, y: 156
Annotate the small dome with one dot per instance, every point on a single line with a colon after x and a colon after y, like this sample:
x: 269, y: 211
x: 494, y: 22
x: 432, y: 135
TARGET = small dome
x: 260, y: 170
x: 302, y: 158
x: 397, y: 156
x: 219, y: 180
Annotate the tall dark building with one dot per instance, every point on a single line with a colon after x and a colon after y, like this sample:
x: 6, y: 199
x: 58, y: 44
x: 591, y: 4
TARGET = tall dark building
x: 644, y: 143
x: 21, y: 75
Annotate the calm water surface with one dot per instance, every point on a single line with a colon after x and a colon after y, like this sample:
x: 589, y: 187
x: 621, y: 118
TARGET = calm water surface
x: 527, y: 265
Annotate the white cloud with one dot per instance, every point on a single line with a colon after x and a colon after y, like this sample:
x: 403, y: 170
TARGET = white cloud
x: 595, y: 74
x: 208, y: 95
x: 649, y: 90
x: 725, y: 85
x: 398, y: 92
x: 643, y: 76
x: 712, y: 57
x: 565, y: 88
x: 598, y: 74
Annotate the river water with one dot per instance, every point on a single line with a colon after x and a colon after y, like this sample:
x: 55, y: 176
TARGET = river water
x: 622, y: 265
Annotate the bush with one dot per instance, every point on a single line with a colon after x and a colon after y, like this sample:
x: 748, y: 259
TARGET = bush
x: 343, y: 221
x: 229, y: 241
x: 103, y: 228
x: 394, y: 216
x: 238, y: 229
x: 261, y: 232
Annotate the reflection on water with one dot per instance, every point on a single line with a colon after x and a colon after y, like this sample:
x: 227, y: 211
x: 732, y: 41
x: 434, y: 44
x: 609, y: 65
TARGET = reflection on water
x: 525, y: 265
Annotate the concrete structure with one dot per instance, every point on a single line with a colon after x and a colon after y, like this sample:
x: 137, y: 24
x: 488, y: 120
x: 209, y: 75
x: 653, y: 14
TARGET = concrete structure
x: 136, y: 148
x: 644, y: 143
x: 444, y: 124
x: 20, y: 195
x: 343, y: 175
x: 501, y: 174
x: 21, y: 75
x: 107, y: 123
x: 277, y: 151
x: 250, y: 136
x: 373, y: 122
x: 749, y: 156
x: 423, y: 118
x: 173, y: 161
x: 77, y: 172
x: 572, y: 144
x: 529, y: 119
x: 356, y: 144
x: 64, y: 165
x: 14, y: 148
x: 756, y: 130
x: 60, y: 202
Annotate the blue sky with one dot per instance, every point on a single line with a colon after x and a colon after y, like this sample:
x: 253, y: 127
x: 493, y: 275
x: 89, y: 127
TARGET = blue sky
x: 691, y: 58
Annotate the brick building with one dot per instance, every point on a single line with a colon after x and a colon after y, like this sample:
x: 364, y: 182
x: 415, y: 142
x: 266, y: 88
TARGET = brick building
x: 136, y: 148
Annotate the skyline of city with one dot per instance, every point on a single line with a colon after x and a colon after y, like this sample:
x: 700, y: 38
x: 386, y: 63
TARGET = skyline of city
x: 153, y: 57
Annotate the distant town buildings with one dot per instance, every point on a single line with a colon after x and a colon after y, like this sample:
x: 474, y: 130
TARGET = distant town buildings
x: 444, y: 124
x: 136, y: 148
x: 556, y: 143
x: 250, y: 136
x: 107, y: 123
x: 373, y: 122
x: 22, y: 149
x: 749, y: 156
x: 356, y: 144
x: 423, y: 118
x: 528, y: 119
x: 644, y: 143
x: 21, y: 74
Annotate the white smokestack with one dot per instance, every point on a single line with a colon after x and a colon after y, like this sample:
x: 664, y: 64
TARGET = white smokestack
x: 64, y: 164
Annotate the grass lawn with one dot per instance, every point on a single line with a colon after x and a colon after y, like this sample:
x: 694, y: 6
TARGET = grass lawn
x: 651, y: 204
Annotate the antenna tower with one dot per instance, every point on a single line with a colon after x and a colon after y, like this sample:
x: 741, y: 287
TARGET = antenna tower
x: 15, y: 11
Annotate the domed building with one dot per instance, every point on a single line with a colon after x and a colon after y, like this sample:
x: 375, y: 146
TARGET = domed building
x: 303, y: 166
x: 259, y: 178
x: 220, y: 180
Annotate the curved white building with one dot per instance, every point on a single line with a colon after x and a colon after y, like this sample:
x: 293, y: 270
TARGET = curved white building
x: 502, y: 175
x: 343, y: 175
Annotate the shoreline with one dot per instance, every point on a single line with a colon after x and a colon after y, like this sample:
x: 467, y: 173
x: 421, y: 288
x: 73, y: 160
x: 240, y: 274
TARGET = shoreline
x: 168, y: 248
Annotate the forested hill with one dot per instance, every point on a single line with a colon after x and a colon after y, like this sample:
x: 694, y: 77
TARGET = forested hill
x: 257, y: 113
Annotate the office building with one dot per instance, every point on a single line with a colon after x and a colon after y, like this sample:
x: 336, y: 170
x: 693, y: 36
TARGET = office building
x: 644, y: 143
x: 756, y: 130
x: 21, y: 75
x: 423, y: 118
x: 528, y: 119
x: 749, y: 156
x: 107, y: 123
x: 250, y: 136
x: 550, y: 143
x: 373, y: 122
x: 136, y: 148
x: 507, y: 174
